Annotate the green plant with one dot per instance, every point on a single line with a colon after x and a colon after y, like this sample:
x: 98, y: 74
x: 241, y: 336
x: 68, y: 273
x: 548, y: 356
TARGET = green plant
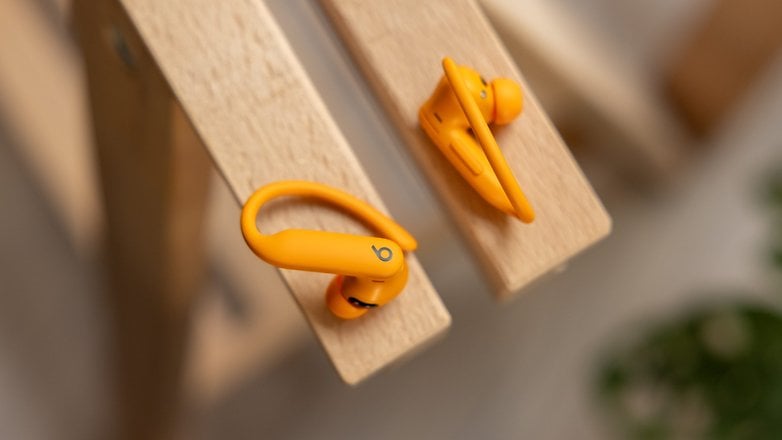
x: 714, y: 373
x: 774, y: 198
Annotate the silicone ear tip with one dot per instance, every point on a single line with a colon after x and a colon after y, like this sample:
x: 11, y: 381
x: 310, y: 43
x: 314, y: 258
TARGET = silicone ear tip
x: 508, y: 100
x: 337, y: 303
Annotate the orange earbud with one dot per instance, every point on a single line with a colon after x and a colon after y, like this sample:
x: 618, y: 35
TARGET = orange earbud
x: 456, y: 118
x: 371, y: 271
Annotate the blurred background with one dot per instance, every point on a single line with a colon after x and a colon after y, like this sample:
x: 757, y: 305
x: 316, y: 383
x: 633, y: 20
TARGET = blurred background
x: 669, y: 328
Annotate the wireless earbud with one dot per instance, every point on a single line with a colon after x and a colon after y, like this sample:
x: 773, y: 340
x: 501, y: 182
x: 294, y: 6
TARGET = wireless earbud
x: 371, y: 271
x: 456, y: 118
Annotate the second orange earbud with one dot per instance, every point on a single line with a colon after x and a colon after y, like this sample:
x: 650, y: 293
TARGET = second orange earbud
x: 456, y: 118
x: 371, y: 271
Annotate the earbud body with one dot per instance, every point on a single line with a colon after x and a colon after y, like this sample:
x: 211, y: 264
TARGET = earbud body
x: 371, y: 271
x: 444, y: 121
x: 351, y: 297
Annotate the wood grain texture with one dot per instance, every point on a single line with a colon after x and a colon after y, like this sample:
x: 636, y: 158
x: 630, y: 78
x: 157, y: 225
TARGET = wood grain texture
x: 399, y: 45
x: 260, y: 118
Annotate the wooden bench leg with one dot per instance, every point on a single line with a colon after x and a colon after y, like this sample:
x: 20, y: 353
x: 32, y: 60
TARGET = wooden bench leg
x: 726, y: 54
x: 154, y: 175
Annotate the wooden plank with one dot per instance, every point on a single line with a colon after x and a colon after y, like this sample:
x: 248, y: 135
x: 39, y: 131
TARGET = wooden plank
x: 48, y: 121
x: 399, y: 45
x: 589, y: 91
x: 725, y: 55
x: 260, y: 118
x: 154, y: 176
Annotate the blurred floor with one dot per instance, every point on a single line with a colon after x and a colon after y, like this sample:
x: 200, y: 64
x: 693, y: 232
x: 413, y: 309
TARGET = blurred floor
x: 518, y: 370
x: 52, y: 367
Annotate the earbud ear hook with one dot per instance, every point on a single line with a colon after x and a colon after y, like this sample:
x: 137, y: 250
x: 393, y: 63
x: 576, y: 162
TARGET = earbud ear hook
x: 322, y: 251
x: 487, y: 142
x: 371, y: 271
